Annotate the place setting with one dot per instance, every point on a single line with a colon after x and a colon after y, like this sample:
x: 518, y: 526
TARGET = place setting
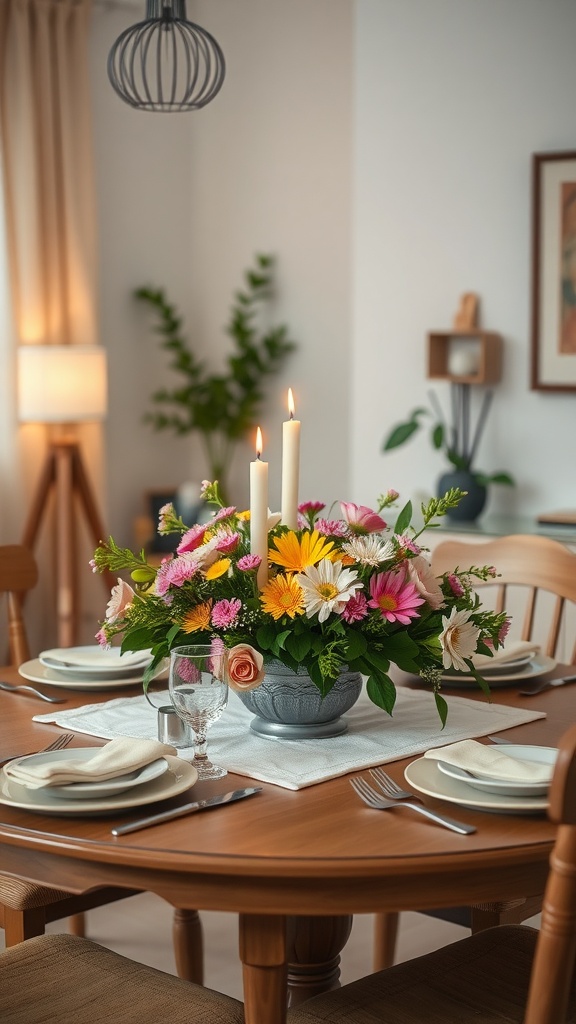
x: 87, y: 668
x: 508, y: 778
x: 520, y: 661
x: 124, y: 773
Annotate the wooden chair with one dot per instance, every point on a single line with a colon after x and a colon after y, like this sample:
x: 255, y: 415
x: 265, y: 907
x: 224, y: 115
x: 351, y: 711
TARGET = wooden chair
x: 539, y: 575
x: 63, y: 979
x: 508, y: 975
x: 25, y: 909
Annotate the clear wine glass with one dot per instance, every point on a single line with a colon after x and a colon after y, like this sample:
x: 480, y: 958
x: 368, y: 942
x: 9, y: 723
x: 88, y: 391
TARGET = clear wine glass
x: 199, y: 694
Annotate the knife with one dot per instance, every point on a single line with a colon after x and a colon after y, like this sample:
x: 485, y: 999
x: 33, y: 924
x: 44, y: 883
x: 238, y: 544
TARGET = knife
x: 178, y: 812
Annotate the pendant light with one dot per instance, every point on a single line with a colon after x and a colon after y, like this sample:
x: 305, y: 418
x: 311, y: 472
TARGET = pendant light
x: 166, y: 63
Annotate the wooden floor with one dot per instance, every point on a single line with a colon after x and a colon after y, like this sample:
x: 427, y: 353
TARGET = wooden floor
x: 140, y: 928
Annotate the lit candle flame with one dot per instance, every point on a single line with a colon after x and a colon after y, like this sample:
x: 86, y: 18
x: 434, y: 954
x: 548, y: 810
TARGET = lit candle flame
x: 290, y: 403
x: 258, y: 443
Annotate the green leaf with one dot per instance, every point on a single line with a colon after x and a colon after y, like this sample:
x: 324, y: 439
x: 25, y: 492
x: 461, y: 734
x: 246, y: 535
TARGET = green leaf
x: 404, y: 519
x: 400, y: 434
x: 438, y: 435
x: 495, y: 478
x: 382, y: 692
x: 441, y: 707
x: 298, y: 646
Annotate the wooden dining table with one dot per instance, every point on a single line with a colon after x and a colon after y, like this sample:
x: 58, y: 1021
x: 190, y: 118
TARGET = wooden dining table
x: 293, y: 865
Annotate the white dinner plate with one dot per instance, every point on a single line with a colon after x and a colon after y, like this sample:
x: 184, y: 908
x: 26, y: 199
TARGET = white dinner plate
x: 425, y: 776
x: 538, y: 666
x: 35, y: 672
x: 506, y: 667
x: 81, y: 790
x: 94, y: 661
x: 508, y: 787
x: 179, y: 776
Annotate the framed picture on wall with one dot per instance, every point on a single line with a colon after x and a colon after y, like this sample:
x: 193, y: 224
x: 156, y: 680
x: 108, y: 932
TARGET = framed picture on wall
x: 554, y: 271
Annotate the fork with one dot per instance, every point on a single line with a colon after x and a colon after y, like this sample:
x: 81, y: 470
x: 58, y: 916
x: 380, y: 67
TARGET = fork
x: 373, y: 799
x: 58, y: 744
x: 10, y: 687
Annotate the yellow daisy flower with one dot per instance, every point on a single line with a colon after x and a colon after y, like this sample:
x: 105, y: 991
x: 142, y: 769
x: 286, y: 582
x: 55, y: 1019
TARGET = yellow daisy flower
x: 217, y: 569
x: 283, y: 596
x: 198, y: 617
x: 296, y: 554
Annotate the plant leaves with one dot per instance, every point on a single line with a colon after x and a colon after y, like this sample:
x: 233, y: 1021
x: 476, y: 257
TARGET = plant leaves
x: 382, y: 692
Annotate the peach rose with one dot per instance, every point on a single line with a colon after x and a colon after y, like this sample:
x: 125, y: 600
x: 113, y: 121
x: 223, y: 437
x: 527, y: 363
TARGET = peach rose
x: 120, y: 599
x: 245, y: 667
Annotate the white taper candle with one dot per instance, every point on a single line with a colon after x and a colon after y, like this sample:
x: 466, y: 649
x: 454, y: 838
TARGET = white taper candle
x: 259, y: 511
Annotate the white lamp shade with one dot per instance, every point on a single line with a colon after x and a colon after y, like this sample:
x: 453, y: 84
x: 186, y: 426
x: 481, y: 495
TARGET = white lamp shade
x: 61, y: 383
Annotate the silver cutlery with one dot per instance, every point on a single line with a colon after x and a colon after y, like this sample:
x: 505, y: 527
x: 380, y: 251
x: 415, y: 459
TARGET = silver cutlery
x: 373, y: 799
x: 539, y: 687
x: 32, y: 689
x: 178, y: 812
x: 59, y: 743
x: 499, y: 740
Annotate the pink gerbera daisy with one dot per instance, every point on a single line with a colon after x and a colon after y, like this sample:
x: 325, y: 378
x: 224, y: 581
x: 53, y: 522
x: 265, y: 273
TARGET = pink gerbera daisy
x: 248, y: 562
x: 396, y: 599
x: 361, y: 519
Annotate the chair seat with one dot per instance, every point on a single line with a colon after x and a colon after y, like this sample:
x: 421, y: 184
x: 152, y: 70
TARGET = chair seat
x: 63, y: 979
x: 483, y: 978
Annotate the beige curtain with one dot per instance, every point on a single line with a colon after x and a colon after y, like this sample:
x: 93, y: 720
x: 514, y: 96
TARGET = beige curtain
x: 48, y: 177
x: 48, y: 168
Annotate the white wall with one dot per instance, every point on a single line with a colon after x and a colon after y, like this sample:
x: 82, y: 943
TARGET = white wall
x: 382, y: 151
x: 451, y: 100
x: 186, y: 200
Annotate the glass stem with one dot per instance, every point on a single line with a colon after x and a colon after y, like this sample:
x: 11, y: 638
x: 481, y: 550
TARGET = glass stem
x: 200, y: 746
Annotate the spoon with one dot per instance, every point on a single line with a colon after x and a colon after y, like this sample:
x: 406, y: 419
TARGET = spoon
x: 31, y: 689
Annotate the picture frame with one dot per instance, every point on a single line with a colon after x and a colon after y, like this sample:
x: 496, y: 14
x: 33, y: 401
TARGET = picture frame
x: 553, y: 362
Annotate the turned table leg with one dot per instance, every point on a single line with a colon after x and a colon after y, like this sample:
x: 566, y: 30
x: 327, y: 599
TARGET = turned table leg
x: 314, y: 947
x: 263, y: 955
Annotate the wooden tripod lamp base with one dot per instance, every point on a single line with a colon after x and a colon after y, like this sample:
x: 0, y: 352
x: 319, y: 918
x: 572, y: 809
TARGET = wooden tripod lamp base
x: 64, y: 476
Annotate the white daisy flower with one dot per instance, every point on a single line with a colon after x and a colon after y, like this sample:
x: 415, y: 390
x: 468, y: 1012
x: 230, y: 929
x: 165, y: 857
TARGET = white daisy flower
x: 369, y: 550
x: 458, y: 638
x: 327, y: 587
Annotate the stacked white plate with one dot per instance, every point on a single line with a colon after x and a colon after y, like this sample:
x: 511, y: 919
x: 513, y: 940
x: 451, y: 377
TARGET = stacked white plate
x: 166, y: 777
x: 86, y: 668
x: 522, y: 669
x: 447, y: 782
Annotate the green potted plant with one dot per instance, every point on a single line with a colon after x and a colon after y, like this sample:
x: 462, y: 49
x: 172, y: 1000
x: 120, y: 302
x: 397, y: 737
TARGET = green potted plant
x: 221, y: 407
x: 459, y: 442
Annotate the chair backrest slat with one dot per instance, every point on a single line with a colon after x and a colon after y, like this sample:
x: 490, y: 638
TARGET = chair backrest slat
x: 18, y: 574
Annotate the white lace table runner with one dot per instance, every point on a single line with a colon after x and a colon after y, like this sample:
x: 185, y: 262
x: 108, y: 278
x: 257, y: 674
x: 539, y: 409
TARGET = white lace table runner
x: 372, y: 738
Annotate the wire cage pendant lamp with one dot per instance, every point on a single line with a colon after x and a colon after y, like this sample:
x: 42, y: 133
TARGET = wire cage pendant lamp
x: 166, y: 63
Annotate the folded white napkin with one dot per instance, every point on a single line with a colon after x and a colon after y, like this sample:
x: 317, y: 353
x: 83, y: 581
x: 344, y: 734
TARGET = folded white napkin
x: 96, y: 658
x: 514, y: 650
x: 116, y: 758
x: 490, y: 762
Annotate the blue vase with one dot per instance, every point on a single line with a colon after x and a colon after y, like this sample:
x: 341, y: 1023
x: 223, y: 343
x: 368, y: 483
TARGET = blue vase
x: 474, y: 501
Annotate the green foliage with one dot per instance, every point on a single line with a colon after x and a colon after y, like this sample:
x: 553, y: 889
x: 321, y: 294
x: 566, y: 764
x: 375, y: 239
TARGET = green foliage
x: 457, y: 441
x: 222, y: 407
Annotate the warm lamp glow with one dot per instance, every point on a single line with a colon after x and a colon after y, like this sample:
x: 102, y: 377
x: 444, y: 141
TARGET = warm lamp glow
x: 61, y: 383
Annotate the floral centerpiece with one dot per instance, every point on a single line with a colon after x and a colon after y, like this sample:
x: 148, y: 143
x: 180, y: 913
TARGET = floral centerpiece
x: 350, y: 591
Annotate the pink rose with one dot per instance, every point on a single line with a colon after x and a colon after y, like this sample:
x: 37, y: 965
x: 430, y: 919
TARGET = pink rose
x: 245, y: 667
x: 120, y: 599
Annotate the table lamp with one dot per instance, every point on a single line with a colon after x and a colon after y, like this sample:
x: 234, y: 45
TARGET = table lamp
x: 62, y: 386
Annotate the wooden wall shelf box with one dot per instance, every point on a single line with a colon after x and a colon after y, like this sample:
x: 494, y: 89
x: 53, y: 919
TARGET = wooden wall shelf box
x: 488, y: 344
